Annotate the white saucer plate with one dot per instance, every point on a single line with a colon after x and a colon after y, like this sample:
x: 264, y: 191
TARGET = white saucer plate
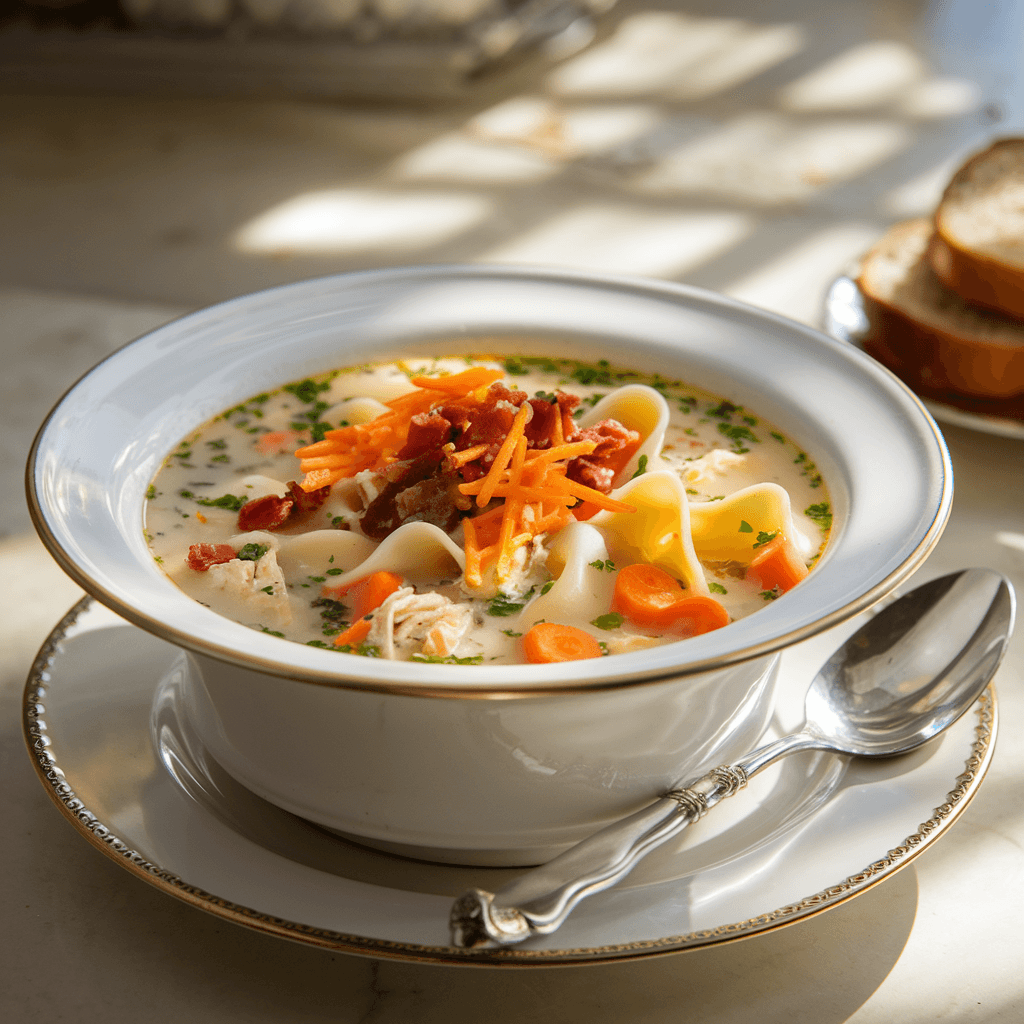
x: 103, y: 729
x: 846, y: 320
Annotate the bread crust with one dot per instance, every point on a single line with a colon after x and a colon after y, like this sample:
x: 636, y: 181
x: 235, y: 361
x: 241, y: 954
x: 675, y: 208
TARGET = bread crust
x: 937, y: 356
x: 975, y: 276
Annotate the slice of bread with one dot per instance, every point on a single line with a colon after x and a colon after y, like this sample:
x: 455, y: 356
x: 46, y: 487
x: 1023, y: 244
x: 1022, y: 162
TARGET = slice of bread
x: 978, y: 250
x: 941, y: 346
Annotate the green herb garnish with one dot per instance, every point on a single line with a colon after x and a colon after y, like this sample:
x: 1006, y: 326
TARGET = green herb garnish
x: 502, y: 604
x: 821, y: 514
x: 765, y: 538
x: 448, y: 659
x: 745, y: 527
x: 228, y: 501
x: 717, y: 588
x: 641, y: 467
x: 306, y: 390
x: 610, y: 621
x: 252, y: 552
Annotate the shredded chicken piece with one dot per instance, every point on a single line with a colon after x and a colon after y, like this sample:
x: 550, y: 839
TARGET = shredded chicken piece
x: 408, y: 622
x: 259, y: 586
x: 709, y: 467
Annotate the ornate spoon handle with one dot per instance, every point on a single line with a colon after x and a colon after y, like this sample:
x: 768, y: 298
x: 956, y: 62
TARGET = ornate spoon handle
x: 539, y: 900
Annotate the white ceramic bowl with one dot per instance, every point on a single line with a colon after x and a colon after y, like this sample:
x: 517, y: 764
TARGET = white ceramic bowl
x: 498, y: 763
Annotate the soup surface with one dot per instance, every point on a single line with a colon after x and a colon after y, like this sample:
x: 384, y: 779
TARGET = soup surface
x: 486, y: 509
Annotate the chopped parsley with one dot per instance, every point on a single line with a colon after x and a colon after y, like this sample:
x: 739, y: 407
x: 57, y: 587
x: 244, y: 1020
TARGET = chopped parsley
x: 765, y: 538
x: 606, y: 566
x: 307, y: 390
x: 151, y: 492
x: 272, y: 632
x: 511, y: 632
x: 364, y: 650
x: 252, y: 552
x: 547, y: 586
x: 821, y: 514
x: 515, y: 367
x: 738, y: 435
x: 502, y: 604
x: 228, y: 501
x: 641, y: 467
x: 448, y: 659
x: 745, y: 527
x: 717, y: 588
x: 267, y: 590
x: 610, y: 621
x: 770, y: 595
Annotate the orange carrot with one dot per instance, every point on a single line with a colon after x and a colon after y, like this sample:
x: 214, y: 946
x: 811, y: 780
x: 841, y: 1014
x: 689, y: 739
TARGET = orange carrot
x: 460, y: 383
x: 355, y: 634
x: 697, y: 614
x: 504, y: 456
x: 275, y: 441
x: 368, y: 593
x: 777, y: 564
x: 552, y: 641
x: 646, y: 596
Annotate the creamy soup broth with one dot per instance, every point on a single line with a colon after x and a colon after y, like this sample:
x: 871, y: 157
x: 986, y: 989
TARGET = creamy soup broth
x: 697, y: 487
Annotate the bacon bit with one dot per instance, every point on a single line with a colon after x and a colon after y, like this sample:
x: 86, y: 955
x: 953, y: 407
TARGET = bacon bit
x: 427, y: 433
x: 267, y: 513
x: 306, y: 502
x: 202, y: 556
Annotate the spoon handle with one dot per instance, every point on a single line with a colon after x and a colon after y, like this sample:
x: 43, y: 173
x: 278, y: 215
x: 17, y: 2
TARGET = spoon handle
x: 539, y: 900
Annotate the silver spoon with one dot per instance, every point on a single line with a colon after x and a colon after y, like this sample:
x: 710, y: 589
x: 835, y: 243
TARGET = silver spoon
x: 909, y: 673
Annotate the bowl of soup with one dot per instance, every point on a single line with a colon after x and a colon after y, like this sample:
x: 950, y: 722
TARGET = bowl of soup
x: 466, y: 562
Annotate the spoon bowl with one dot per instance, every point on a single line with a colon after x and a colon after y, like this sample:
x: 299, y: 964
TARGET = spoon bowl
x: 906, y: 675
x: 914, y: 667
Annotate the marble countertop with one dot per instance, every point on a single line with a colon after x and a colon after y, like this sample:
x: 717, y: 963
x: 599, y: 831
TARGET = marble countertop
x: 755, y: 150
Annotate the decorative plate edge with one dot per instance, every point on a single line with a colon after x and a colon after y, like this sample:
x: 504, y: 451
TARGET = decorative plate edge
x: 94, y: 830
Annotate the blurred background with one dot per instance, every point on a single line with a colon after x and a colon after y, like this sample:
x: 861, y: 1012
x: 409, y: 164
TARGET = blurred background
x: 157, y: 156
x: 161, y: 155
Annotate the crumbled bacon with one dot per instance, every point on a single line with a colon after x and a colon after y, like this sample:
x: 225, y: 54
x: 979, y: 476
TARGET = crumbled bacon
x: 428, y: 432
x: 202, y: 556
x: 267, y: 513
x: 306, y: 502
x: 599, y: 468
x: 417, y: 491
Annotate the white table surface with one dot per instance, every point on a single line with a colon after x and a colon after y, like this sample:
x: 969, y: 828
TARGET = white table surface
x: 117, y: 214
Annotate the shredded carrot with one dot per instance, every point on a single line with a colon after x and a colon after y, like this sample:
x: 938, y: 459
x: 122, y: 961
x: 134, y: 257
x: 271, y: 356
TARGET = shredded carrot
x: 504, y: 456
x: 355, y: 634
x: 459, y: 459
x: 460, y: 383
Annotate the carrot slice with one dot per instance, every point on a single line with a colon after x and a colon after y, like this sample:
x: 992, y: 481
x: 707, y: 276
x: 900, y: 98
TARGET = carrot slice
x: 355, y: 634
x: 647, y: 596
x: 777, y: 565
x: 552, y: 641
x: 698, y: 614
x: 370, y: 592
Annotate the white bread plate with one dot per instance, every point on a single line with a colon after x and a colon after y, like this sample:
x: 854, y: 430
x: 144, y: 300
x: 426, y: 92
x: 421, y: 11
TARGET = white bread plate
x: 491, y: 763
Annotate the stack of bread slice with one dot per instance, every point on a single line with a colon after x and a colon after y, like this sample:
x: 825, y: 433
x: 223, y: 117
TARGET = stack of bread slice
x: 944, y: 296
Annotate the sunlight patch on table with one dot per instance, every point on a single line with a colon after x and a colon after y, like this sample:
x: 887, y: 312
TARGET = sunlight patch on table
x: 456, y: 158
x: 564, y: 131
x: 864, y: 76
x: 770, y: 159
x: 659, y: 53
x: 795, y: 282
x: 936, y: 98
x: 625, y: 240
x: 346, y: 220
